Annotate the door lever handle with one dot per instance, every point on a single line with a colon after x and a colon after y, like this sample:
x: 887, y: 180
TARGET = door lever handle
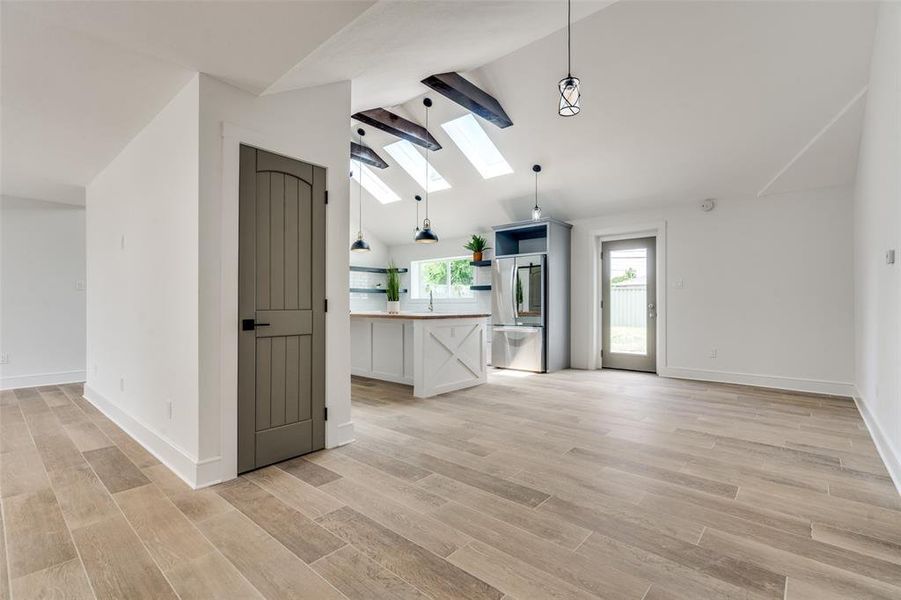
x: 251, y: 324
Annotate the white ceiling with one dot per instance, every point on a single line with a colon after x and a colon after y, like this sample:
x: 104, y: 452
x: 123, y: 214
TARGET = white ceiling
x: 81, y: 78
x: 391, y: 47
x: 681, y: 101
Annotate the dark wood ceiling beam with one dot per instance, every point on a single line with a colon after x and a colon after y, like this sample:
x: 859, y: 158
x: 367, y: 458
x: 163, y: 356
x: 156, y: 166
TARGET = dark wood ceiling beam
x: 367, y: 155
x: 454, y: 87
x: 398, y: 126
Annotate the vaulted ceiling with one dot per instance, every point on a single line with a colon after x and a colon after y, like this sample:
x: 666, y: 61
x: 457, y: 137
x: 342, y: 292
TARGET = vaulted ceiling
x: 682, y: 100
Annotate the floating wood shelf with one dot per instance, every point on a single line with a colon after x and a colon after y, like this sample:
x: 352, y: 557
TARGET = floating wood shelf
x: 480, y: 288
x: 374, y: 269
x: 372, y: 291
x: 480, y: 263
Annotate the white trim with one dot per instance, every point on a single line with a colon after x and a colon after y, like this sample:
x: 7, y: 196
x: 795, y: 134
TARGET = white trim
x: 232, y: 138
x: 655, y: 229
x: 39, y: 379
x: 889, y: 454
x: 779, y: 382
x: 195, y: 473
x: 835, y: 119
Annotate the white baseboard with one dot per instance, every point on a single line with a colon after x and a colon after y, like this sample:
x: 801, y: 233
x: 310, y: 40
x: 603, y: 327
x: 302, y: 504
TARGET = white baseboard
x: 38, y: 379
x: 195, y: 473
x: 891, y: 458
x: 793, y: 384
x: 343, y: 434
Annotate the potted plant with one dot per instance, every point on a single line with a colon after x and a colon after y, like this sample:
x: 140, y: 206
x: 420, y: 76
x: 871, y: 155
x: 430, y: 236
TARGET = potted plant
x: 392, y: 290
x: 477, y: 245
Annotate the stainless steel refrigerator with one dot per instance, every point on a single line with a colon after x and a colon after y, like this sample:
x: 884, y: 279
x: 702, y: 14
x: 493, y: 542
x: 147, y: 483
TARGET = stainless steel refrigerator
x: 518, y: 289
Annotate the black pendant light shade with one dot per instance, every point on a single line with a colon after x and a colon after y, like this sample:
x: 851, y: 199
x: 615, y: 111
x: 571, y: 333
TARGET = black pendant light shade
x: 569, y: 86
x: 360, y: 245
x: 536, y: 210
x: 425, y: 235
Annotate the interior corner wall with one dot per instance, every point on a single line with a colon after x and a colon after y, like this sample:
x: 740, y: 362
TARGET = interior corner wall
x: 877, y: 229
x: 42, y: 307
x: 309, y: 125
x: 142, y: 300
x: 767, y: 282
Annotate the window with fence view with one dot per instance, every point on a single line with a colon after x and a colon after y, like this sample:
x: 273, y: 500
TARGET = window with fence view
x: 628, y: 301
x: 444, y: 277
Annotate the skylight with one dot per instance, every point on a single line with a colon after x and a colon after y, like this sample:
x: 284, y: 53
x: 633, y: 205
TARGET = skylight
x: 477, y: 146
x: 413, y: 163
x: 372, y: 184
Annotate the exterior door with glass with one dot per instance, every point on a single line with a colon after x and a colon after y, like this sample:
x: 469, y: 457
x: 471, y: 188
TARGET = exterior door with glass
x: 629, y: 304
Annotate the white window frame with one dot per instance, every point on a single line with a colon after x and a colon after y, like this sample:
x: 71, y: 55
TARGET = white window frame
x: 414, y: 279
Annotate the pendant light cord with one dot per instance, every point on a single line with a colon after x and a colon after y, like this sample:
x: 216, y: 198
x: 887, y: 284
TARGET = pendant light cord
x: 360, y: 194
x: 536, y: 189
x: 427, y: 168
x: 569, y: 36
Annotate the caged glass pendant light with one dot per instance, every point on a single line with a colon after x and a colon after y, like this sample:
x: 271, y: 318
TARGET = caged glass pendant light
x: 360, y: 245
x: 426, y: 235
x: 570, y: 94
x: 536, y: 210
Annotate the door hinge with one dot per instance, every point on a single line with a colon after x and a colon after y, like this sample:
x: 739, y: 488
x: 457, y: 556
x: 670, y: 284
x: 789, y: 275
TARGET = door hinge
x: 326, y: 196
x: 325, y: 413
x: 602, y: 354
x: 602, y: 304
x: 326, y: 305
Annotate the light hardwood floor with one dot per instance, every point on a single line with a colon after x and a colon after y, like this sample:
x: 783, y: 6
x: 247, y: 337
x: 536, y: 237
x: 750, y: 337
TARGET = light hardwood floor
x: 571, y: 485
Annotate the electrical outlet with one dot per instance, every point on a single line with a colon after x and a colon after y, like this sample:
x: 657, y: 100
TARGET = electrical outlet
x: 4, y: 359
x: 713, y: 353
x: 169, y: 409
x: 679, y: 284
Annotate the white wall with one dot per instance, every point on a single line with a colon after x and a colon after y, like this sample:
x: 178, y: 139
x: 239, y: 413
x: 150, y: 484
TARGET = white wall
x: 42, y: 312
x: 767, y: 282
x: 877, y: 228
x: 142, y: 266
x: 310, y: 125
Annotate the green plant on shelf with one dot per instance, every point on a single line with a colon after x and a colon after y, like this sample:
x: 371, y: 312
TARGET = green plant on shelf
x: 392, y: 286
x: 477, y: 245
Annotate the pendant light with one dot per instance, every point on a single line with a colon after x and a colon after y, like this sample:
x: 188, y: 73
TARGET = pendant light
x: 360, y: 245
x: 570, y: 96
x: 418, y: 200
x: 426, y: 235
x: 536, y: 210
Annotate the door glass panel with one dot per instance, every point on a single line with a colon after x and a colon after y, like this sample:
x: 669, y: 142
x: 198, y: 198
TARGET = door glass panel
x: 628, y: 301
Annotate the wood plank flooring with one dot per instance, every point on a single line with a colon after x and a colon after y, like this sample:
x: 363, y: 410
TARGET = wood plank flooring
x: 572, y: 485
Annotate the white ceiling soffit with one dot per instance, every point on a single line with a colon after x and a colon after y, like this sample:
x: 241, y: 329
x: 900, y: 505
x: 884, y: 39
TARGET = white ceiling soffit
x: 391, y: 47
x: 248, y: 44
x: 70, y: 105
x: 681, y: 101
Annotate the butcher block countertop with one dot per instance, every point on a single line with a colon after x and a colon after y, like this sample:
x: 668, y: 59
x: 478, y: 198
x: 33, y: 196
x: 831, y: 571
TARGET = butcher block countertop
x: 417, y: 315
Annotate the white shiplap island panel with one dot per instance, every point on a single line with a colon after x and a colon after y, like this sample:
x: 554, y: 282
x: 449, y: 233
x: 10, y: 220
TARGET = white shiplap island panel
x: 433, y: 352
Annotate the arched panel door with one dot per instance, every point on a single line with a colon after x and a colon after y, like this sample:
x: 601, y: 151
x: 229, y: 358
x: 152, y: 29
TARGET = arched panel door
x: 281, y: 305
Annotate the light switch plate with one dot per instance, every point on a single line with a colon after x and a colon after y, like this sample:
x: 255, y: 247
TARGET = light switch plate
x: 889, y: 257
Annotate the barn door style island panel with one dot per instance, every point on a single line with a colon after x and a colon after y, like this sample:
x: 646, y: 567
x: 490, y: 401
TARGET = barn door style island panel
x: 433, y: 352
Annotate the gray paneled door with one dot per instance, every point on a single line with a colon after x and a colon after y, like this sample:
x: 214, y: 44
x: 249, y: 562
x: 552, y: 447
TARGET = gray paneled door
x: 281, y: 303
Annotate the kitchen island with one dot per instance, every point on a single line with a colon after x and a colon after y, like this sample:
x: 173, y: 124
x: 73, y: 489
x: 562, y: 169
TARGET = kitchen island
x: 433, y: 352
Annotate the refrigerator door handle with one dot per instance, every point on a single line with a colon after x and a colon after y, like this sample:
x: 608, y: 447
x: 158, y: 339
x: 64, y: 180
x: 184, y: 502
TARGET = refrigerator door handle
x: 513, y: 291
